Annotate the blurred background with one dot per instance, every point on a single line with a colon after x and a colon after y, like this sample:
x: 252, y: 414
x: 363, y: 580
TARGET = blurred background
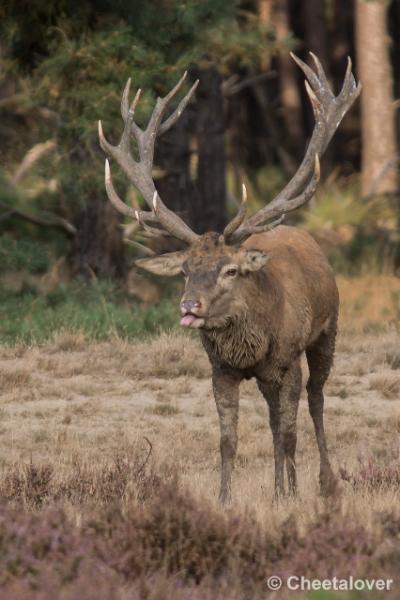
x: 66, y: 258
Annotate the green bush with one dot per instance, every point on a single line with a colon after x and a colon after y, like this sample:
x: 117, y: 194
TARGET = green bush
x: 99, y: 311
x: 22, y: 254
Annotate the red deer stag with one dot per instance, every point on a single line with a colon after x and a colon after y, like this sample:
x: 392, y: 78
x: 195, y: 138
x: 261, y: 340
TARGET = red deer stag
x: 260, y: 293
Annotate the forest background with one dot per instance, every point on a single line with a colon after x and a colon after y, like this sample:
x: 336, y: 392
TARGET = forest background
x: 66, y: 259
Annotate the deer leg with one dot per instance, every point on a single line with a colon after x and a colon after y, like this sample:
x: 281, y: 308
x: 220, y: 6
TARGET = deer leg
x: 271, y: 394
x: 226, y: 394
x: 289, y: 397
x: 320, y: 359
x: 283, y: 402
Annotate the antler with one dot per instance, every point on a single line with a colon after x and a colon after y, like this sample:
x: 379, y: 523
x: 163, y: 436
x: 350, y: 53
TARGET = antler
x: 160, y: 219
x: 328, y: 113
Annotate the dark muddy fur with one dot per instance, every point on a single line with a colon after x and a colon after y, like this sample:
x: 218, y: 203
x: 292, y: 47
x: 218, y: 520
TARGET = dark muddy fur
x: 259, y: 306
x: 257, y: 341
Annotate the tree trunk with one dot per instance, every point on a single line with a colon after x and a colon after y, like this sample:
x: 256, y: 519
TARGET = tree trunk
x: 315, y: 30
x: 207, y: 211
x: 342, y: 32
x: 377, y: 109
x: 290, y: 95
x: 264, y: 8
x: 172, y: 156
x: 316, y: 41
x: 98, y: 248
x: 346, y: 147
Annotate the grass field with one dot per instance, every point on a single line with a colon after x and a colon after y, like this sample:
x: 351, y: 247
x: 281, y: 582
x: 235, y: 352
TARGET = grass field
x: 86, y: 513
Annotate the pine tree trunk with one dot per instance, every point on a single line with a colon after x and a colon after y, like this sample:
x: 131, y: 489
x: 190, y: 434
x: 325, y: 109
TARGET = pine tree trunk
x: 346, y: 147
x: 264, y: 8
x: 207, y: 210
x: 377, y: 108
x: 316, y: 41
x: 316, y: 33
x: 172, y: 156
x: 98, y: 248
x: 290, y: 95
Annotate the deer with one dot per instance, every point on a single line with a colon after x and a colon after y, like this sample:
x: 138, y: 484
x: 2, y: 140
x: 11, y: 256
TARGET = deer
x: 260, y: 293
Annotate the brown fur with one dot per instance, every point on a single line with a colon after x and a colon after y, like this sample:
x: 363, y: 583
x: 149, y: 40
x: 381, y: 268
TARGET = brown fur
x: 256, y: 318
x: 282, y: 302
x: 288, y: 307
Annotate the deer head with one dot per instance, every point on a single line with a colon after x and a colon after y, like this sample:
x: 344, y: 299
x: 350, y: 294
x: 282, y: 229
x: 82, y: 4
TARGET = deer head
x: 216, y: 266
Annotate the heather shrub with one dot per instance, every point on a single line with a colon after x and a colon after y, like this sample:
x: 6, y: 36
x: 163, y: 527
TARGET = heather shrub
x: 170, y: 536
x: 28, y: 485
x: 129, y: 529
x: 374, y: 475
x: 124, y: 477
x: 333, y: 545
x: 175, y: 534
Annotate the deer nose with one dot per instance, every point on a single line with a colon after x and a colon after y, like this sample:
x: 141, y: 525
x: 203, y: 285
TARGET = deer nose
x: 188, y: 306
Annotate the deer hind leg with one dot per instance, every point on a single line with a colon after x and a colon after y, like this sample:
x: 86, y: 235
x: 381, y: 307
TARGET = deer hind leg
x: 290, y: 396
x: 283, y: 403
x: 226, y: 394
x: 320, y: 359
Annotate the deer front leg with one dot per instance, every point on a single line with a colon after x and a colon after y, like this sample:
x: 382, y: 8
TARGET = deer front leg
x: 271, y: 394
x: 283, y: 400
x: 226, y: 394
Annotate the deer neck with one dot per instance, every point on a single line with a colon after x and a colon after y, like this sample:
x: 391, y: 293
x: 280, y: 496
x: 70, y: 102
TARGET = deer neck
x: 246, y: 338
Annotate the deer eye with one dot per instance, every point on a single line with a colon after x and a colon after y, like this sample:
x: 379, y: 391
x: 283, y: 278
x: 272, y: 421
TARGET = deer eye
x: 231, y: 272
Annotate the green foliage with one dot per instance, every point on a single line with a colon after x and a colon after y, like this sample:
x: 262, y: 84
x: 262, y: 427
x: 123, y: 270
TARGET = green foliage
x: 81, y: 57
x: 99, y: 311
x: 16, y: 255
x: 364, y: 230
x: 336, y: 205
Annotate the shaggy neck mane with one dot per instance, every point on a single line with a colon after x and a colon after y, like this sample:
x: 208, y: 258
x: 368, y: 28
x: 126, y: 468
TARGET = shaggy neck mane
x: 243, y: 342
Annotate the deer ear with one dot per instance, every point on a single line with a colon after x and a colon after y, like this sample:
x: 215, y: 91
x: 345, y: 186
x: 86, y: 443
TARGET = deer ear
x: 167, y: 264
x: 253, y: 260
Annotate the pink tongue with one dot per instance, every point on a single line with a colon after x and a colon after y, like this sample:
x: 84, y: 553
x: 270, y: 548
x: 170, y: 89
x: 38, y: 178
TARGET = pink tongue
x: 187, y: 320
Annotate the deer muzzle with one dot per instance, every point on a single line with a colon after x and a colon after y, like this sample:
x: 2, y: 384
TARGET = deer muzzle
x: 189, y: 310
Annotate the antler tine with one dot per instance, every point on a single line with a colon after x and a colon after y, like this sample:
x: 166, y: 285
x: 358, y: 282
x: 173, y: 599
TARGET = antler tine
x: 239, y: 217
x: 350, y: 85
x: 328, y: 112
x: 147, y: 216
x: 125, y: 100
x: 146, y: 148
x: 139, y: 246
x: 308, y: 72
x: 153, y: 231
x: 168, y: 220
x: 130, y: 125
x: 275, y: 207
x: 139, y: 172
x: 172, y: 119
x: 276, y: 210
x: 120, y: 205
x: 243, y: 234
x: 128, y: 211
x: 123, y: 208
x: 128, y: 113
x: 112, y: 194
x: 320, y: 71
x: 318, y: 81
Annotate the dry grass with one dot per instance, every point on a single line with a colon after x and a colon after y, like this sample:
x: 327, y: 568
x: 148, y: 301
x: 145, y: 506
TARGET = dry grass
x: 109, y: 403
x: 72, y: 405
x: 14, y: 379
x: 369, y: 303
x: 168, y: 356
x: 388, y: 385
